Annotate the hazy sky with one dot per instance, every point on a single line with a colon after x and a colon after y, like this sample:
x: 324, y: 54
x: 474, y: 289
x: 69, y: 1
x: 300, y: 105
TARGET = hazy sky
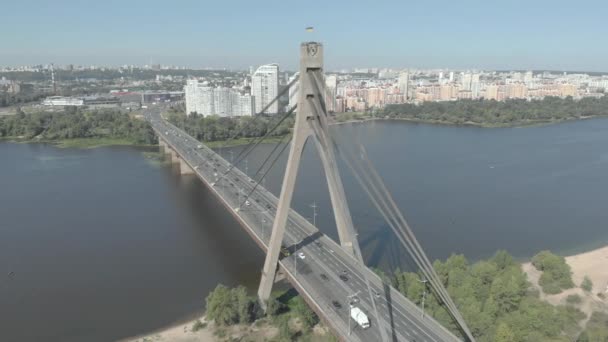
x: 508, y: 34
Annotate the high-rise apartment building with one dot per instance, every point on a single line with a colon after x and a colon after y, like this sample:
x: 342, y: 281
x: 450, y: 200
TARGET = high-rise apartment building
x: 222, y: 101
x: 466, y: 80
x: 204, y: 100
x: 331, y: 83
x: 475, y: 86
x: 265, y: 87
x: 293, y: 90
x: 403, y: 82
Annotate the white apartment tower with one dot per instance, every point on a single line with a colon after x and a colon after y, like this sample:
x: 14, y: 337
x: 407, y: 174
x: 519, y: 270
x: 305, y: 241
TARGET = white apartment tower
x: 475, y: 86
x: 404, y: 82
x: 293, y: 90
x: 265, y: 87
x: 204, y: 100
x: 466, y: 80
x: 331, y: 83
x: 190, y: 95
x: 222, y: 101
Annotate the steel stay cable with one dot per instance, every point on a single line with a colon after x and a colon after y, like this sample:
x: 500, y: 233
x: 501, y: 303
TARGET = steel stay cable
x: 245, y: 152
x: 257, y: 115
x: 326, y: 140
x: 266, y: 172
x: 448, y: 300
x: 270, y: 155
x: 412, y: 246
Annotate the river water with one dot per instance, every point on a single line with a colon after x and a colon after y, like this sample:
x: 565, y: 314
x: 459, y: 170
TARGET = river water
x: 102, y: 244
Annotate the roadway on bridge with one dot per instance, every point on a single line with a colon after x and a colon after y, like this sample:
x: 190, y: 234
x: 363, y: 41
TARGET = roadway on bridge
x: 326, y: 274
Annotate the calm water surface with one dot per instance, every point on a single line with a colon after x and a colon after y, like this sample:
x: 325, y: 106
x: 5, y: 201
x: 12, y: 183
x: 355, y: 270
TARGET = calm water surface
x: 101, y: 244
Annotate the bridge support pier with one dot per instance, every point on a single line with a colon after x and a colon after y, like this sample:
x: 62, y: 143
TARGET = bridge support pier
x: 162, y: 145
x: 184, y: 168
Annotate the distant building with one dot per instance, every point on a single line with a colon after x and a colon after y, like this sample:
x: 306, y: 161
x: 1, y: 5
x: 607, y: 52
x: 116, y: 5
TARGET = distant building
x: 293, y: 90
x: 161, y: 96
x: 265, y: 88
x: 331, y: 84
x: 403, y: 83
x: 204, y: 100
x: 88, y: 101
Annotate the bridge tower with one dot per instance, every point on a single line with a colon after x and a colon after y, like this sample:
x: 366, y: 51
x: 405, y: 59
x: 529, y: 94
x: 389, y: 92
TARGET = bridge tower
x: 311, y: 120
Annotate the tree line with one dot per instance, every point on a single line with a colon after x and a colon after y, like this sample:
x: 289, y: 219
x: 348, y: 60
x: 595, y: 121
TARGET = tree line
x: 216, y: 128
x: 498, y: 303
x: 22, y: 98
x: 229, y: 306
x: 499, y: 113
x: 75, y: 123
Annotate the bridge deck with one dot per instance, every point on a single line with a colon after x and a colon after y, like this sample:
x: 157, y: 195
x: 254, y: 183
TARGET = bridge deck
x: 317, y: 277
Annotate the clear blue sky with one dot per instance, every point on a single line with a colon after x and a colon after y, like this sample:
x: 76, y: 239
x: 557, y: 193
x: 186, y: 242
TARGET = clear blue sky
x: 508, y: 34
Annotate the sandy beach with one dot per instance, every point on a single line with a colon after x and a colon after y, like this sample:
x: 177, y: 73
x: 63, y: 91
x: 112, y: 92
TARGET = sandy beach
x: 593, y: 264
x: 178, y: 333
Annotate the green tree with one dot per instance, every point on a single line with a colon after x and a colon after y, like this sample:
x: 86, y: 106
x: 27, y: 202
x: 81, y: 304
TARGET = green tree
x: 220, y: 306
x: 587, y: 284
x: 556, y: 274
x: 230, y: 306
x: 504, y: 334
x: 306, y: 315
x: 274, y: 307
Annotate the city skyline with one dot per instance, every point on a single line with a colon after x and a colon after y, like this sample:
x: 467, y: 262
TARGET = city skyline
x: 515, y: 35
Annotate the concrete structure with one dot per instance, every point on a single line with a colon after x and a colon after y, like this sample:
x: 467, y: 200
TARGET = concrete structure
x: 88, y: 101
x: 204, y: 100
x: 184, y: 168
x: 323, y: 279
x: 293, y: 90
x: 265, y: 87
x: 404, y: 82
x: 150, y: 96
x: 311, y: 120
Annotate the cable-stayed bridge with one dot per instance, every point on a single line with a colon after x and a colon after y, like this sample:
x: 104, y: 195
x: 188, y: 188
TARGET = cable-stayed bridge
x: 330, y: 276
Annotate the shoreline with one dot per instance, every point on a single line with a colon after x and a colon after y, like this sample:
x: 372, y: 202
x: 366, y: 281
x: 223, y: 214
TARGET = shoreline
x: 180, y: 330
x: 591, y: 263
x: 470, y: 123
x: 104, y: 142
x: 83, y: 143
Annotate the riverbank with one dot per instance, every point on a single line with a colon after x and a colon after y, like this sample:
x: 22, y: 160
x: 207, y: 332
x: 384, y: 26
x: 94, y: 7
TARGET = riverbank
x: 77, y: 142
x: 201, y: 330
x: 519, y: 124
x: 592, y: 264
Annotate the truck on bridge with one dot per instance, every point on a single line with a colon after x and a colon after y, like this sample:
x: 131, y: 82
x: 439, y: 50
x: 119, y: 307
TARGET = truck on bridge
x: 359, y: 316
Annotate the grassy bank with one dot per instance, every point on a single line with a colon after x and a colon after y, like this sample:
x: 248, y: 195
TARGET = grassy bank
x: 77, y: 142
x: 360, y: 117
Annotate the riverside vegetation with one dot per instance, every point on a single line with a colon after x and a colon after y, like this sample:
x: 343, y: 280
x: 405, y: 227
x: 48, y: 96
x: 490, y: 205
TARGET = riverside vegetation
x: 213, y: 129
x: 111, y: 127
x: 287, y: 312
x: 500, y: 304
x: 490, y: 113
x: 77, y: 128
x: 494, y: 297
